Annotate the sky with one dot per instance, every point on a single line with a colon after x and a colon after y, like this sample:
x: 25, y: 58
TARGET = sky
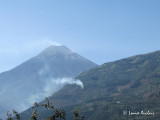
x: 99, y: 30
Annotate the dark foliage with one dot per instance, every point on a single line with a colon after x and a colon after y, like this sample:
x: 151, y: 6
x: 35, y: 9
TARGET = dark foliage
x: 57, y: 113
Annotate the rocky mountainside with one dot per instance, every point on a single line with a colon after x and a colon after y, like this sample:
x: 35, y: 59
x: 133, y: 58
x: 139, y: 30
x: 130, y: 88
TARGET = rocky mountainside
x: 126, y: 89
x: 39, y: 77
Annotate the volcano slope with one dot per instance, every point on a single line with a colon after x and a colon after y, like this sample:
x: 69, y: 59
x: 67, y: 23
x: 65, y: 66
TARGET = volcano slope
x: 39, y: 77
x: 126, y: 89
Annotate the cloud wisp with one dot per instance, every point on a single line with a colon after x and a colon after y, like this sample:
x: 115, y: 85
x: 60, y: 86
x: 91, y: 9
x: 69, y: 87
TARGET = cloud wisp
x: 13, y: 54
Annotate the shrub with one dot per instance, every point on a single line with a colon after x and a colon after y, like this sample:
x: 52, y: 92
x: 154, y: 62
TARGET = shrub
x: 57, y: 113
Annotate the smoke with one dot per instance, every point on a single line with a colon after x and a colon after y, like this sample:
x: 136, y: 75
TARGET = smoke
x: 2, y: 91
x: 21, y: 100
x: 25, y: 47
x: 38, y: 45
x: 17, y: 52
x: 54, y: 43
x: 44, y: 71
x: 53, y: 85
x: 69, y: 81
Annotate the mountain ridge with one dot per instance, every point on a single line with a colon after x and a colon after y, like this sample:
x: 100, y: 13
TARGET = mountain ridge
x: 38, y: 76
x: 56, y: 49
x: 131, y: 83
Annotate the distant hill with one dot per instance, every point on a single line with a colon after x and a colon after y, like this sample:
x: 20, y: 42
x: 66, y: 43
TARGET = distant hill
x: 40, y: 76
x: 112, y: 90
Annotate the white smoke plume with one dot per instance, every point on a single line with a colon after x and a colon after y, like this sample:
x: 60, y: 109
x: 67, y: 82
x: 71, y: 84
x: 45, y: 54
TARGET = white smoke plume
x: 69, y: 81
x: 52, y: 86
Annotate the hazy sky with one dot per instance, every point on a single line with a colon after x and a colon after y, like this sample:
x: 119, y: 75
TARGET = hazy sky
x: 100, y: 30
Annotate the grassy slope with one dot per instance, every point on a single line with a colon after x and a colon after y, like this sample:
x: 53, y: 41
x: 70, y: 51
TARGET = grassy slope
x: 134, y: 82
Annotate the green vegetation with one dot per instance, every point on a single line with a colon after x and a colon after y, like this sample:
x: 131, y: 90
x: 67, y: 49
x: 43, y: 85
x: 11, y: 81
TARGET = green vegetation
x: 58, y: 114
x: 131, y: 84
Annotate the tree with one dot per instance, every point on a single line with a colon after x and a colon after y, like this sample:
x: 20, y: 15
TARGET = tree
x: 57, y: 113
